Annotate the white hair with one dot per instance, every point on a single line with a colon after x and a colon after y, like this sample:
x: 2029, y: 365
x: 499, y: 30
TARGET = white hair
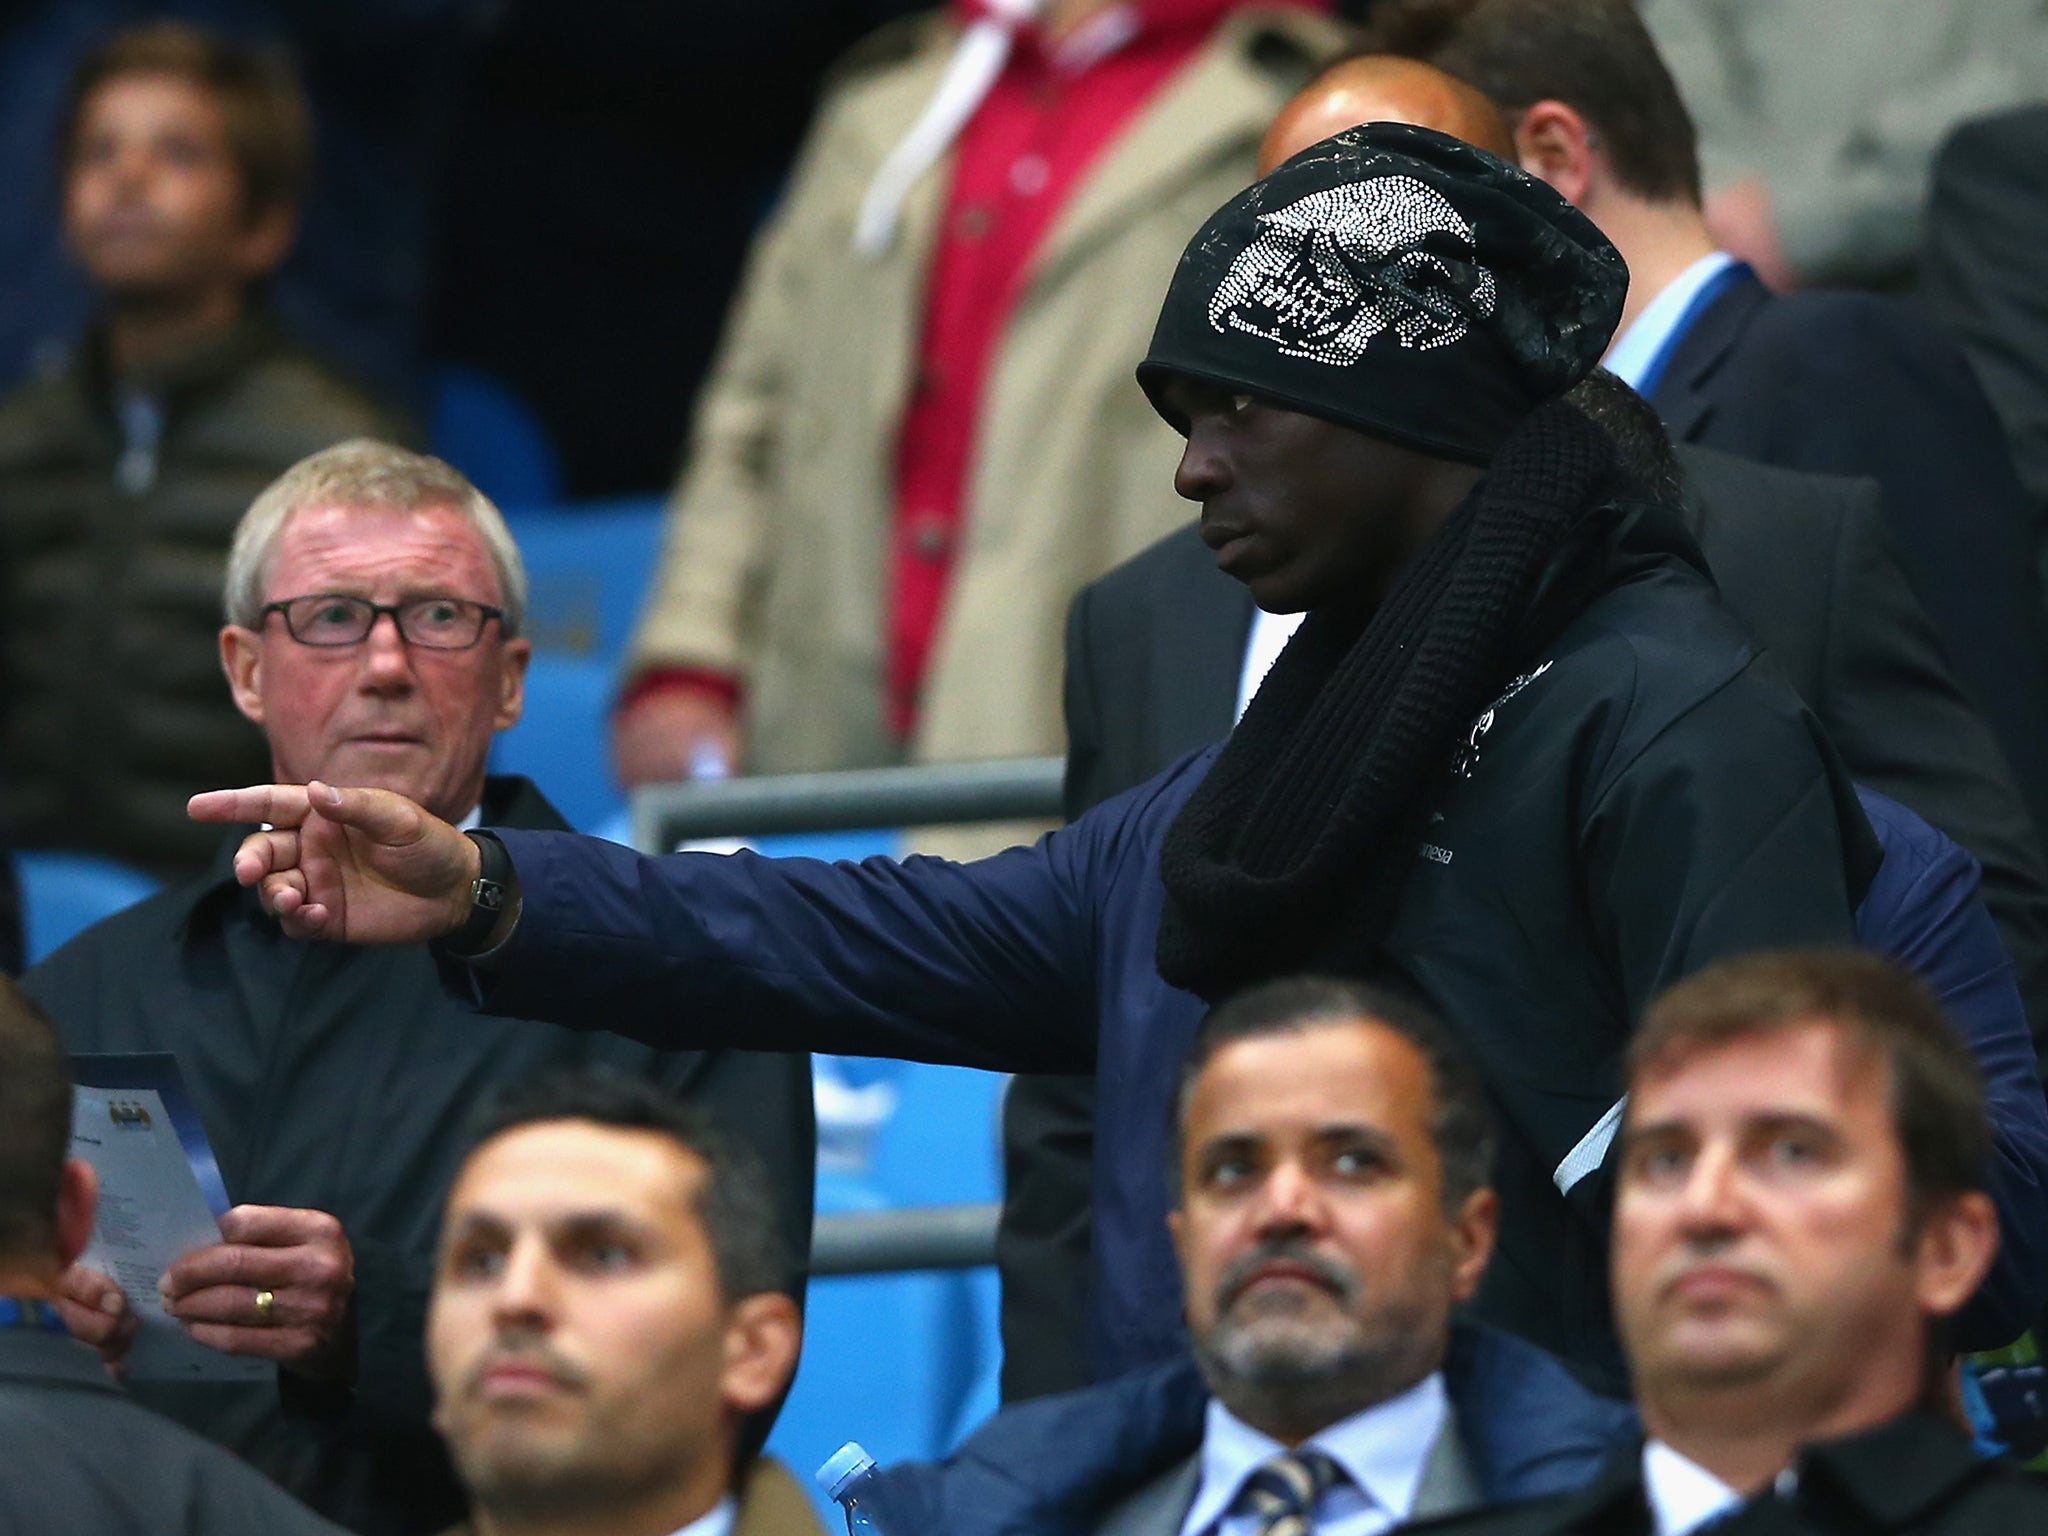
x: 363, y: 472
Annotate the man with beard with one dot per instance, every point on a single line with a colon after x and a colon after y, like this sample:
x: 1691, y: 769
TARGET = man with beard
x: 1517, y: 760
x: 1332, y: 1150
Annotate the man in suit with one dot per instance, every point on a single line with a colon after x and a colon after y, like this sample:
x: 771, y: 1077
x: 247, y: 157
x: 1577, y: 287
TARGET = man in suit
x: 83, y: 1457
x: 610, y: 1309
x: 1799, y: 1210
x: 1333, y: 1153
x: 1837, y: 383
x: 1984, y: 267
x: 374, y: 603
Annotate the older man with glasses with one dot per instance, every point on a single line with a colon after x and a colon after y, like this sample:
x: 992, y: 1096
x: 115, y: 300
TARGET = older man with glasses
x: 374, y: 601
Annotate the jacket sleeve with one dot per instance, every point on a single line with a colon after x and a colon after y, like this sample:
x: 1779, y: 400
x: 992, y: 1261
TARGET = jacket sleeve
x: 1730, y: 830
x: 989, y: 964
x: 1893, y: 709
x: 1924, y: 911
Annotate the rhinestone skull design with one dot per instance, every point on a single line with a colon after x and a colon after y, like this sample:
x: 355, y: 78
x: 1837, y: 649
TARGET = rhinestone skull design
x: 1333, y: 270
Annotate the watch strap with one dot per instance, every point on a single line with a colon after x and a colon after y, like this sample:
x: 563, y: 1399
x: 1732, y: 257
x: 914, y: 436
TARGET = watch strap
x: 489, y: 893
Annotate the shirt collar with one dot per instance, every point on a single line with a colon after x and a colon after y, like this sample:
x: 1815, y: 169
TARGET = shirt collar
x: 1381, y: 1449
x: 1683, y: 1494
x: 716, y: 1521
x: 1636, y: 350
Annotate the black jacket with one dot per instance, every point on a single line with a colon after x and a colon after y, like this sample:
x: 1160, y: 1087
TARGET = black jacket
x: 1852, y: 384
x: 80, y: 1457
x: 1915, y: 1476
x: 1983, y: 267
x: 1154, y: 651
x: 1653, y: 799
x: 343, y: 1079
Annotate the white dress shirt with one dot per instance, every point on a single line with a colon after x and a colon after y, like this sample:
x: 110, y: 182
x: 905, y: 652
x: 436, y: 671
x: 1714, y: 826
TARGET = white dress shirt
x: 1683, y: 1494
x: 1269, y: 637
x: 1636, y: 350
x: 716, y: 1521
x: 1382, y: 1451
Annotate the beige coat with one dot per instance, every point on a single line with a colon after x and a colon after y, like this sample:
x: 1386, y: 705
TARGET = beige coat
x: 776, y: 561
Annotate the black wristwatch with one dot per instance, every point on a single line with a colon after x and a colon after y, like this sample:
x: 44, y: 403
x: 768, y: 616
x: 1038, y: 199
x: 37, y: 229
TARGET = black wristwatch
x: 488, y: 894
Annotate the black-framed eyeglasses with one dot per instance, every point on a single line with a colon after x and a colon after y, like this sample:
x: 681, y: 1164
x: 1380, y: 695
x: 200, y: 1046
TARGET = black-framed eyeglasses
x: 435, y: 623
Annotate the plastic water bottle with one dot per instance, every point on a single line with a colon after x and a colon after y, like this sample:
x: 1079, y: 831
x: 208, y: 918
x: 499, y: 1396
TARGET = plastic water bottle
x: 845, y: 1478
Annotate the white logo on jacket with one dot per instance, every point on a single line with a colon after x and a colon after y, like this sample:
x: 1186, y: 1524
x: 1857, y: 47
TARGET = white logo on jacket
x: 1466, y: 757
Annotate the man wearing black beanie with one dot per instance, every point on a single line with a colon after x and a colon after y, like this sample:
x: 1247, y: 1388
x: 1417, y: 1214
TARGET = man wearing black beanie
x: 1517, y: 760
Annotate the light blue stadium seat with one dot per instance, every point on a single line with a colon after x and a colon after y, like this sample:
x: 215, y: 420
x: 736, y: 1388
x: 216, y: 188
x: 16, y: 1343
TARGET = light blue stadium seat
x: 588, y: 565
x: 882, y: 1360
x: 485, y: 430
x: 63, y: 894
x: 561, y: 741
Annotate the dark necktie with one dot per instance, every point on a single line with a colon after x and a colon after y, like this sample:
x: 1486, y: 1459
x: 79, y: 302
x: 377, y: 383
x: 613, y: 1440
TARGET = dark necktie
x: 1283, y: 1492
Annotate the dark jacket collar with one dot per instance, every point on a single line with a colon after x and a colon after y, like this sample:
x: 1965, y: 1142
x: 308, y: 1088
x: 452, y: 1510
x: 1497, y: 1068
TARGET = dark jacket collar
x: 1054, y: 1466
x: 1891, y: 1478
x: 53, y: 1360
x: 174, y: 380
x: 509, y: 801
x: 1683, y: 397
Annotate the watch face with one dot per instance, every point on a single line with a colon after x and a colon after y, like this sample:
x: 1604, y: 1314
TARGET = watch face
x: 487, y: 894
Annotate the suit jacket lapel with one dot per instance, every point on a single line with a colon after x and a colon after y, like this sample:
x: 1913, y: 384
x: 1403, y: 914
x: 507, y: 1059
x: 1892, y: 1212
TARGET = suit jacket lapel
x: 1685, y: 397
x: 1449, y: 1482
x: 1158, y: 1508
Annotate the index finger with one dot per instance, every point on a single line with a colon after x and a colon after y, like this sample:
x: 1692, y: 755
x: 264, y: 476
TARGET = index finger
x: 282, y: 805
x: 275, y: 1226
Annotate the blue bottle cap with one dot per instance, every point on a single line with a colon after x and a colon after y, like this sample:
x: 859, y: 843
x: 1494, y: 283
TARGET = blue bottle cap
x: 846, y: 1464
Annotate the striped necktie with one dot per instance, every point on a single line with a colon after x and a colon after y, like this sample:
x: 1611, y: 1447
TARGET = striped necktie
x: 1283, y: 1492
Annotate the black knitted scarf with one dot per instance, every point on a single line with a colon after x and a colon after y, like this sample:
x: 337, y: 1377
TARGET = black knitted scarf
x: 1291, y: 854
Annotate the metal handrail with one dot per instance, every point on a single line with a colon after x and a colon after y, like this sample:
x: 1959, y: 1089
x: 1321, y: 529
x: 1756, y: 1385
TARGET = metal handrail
x: 943, y: 794
x: 767, y: 805
x: 887, y: 1242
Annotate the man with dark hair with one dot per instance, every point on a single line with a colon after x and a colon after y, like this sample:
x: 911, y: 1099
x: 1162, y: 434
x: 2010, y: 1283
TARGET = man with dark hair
x: 1164, y: 654
x: 122, y: 476
x: 1517, y: 757
x: 1800, y: 1210
x: 1839, y: 383
x: 82, y: 1457
x: 1331, y: 1159
x: 610, y: 1310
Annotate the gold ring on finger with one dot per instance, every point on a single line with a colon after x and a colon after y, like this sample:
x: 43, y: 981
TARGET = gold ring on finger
x: 266, y: 1307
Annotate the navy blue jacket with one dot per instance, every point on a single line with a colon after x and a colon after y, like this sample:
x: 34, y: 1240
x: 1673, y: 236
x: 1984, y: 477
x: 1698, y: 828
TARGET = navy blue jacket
x: 1654, y: 758
x: 1055, y: 1466
x: 1854, y: 384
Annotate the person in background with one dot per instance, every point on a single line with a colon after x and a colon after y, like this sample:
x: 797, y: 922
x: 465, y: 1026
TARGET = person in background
x: 610, y: 1312
x: 122, y: 476
x: 81, y: 1456
x: 1818, y: 137
x: 920, y: 435
x: 1836, y: 383
x: 1332, y: 1211
x: 1799, y: 1213
x: 374, y: 602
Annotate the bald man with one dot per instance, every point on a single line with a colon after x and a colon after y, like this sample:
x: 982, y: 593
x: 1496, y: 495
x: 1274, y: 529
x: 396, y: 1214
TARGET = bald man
x: 1376, y: 88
